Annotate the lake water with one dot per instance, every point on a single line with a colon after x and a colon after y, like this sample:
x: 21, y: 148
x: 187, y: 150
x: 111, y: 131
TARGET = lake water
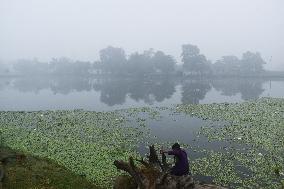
x: 103, y: 94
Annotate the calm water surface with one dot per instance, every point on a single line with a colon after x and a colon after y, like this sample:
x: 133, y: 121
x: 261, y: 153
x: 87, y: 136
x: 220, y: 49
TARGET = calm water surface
x: 103, y: 94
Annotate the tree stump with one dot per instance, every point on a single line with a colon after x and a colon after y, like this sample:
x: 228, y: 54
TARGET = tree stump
x: 154, y: 174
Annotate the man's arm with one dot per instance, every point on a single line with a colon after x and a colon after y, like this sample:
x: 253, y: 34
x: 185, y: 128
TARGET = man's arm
x: 173, y: 152
x: 170, y: 152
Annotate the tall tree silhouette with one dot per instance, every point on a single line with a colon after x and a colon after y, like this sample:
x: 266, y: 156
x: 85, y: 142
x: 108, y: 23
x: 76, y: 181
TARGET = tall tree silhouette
x: 164, y: 64
x: 227, y: 65
x: 194, y: 62
x: 141, y: 64
x: 113, y: 60
x: 252, y: 63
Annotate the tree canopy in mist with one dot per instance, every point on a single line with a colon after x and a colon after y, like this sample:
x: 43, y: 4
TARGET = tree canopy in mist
x: 79, y: 29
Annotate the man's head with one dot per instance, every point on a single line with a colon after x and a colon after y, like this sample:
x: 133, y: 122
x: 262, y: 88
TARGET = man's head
x: 176, y: 146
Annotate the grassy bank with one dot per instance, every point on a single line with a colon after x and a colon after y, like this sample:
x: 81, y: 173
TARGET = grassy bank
x: 26, y: 172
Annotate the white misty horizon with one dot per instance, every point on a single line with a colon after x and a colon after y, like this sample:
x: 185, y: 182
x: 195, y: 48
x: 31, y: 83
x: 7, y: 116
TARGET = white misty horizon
x: 79, y: 29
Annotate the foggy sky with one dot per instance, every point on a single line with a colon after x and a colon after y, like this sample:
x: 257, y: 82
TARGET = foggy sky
x: 80, y: 28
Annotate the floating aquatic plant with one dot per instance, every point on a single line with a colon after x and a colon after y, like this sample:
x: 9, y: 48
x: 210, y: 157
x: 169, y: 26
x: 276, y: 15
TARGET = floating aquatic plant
x: 258, y: 127
x: 85, y: 142
x: 88, y: 142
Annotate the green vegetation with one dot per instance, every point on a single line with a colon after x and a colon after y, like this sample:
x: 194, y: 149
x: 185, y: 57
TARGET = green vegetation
x: 28, y: 172
x: 88, y: 142
x: 256, y: 129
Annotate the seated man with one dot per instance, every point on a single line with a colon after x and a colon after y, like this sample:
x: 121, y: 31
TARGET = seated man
x: 181, y: 166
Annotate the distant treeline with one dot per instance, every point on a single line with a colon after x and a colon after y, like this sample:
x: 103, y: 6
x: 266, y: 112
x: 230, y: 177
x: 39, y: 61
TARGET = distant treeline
x: 114, y: 61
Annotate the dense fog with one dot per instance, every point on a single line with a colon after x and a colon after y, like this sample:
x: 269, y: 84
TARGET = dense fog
x: 141, y: 94
x: 79, y: 30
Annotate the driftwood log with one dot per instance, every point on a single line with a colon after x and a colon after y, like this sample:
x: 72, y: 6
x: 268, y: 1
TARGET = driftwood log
x: 154, y: 174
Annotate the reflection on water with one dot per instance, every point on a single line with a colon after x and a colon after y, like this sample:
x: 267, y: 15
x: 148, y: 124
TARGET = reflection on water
x: 194, y: 90
x: 249, y: 89
x: 113, y: 93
